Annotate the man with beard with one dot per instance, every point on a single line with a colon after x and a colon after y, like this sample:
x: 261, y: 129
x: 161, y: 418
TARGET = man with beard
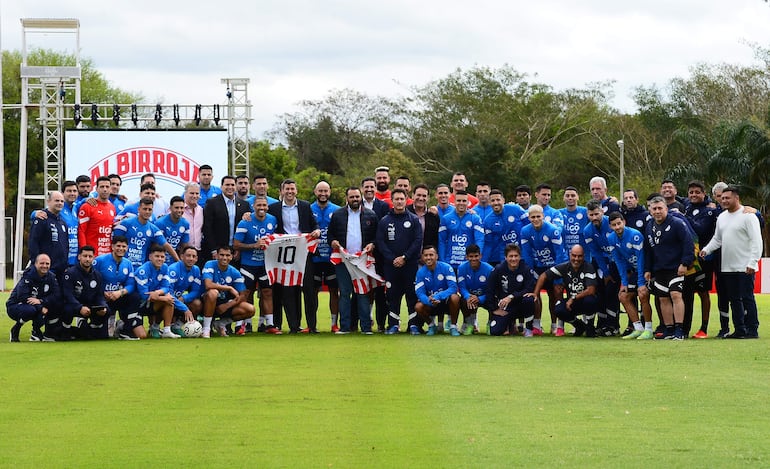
x: 354, y: 229
x: 382, y: 179
x: 579, y: 279
x: 739, y: 235
x: 250, y: 241
x: 599, y: 248
x: 174, y: 227
x: 242, y: 187
x: 501, y: 228
x: 324, y: 273
x: 95, y: 227
x: 702, y: 215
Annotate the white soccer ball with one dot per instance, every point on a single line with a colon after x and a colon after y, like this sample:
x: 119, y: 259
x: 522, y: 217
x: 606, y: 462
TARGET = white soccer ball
x: 193, y: 329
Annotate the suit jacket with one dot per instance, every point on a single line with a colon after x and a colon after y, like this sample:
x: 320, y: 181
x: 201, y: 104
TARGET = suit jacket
x: 432, y: 222
x: 379, y: 207
x: 338, y: 226
x: 307, y: 221
x: 216, y: 223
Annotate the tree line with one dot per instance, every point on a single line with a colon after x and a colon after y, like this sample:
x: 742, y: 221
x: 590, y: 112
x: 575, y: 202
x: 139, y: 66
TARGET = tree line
x: 497, y: 125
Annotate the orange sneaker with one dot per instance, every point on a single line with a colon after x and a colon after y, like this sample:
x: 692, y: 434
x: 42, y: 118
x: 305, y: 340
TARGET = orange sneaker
x: 335, y: 328
x: 700, y: 335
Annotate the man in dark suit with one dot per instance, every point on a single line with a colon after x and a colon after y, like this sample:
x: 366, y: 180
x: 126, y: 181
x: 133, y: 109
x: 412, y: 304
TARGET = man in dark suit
x: 354, y: 236
x: 381, y: 208
x: 220, y: 217
x: 294, y: 217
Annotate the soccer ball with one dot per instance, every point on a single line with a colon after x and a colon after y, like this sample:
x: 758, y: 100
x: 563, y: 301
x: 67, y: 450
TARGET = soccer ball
x: 193, y: 329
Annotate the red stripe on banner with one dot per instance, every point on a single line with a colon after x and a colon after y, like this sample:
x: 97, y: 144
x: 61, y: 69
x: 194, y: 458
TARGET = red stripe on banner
x: 299, y: 278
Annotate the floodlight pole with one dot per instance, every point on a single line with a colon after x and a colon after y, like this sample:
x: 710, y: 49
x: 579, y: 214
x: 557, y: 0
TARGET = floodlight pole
x: 621, y: 146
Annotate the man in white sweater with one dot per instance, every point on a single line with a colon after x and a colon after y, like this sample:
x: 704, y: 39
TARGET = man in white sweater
x: 739, y: 236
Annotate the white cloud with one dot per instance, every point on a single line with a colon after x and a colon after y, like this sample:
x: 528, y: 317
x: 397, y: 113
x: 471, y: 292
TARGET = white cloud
x: 293, y: 50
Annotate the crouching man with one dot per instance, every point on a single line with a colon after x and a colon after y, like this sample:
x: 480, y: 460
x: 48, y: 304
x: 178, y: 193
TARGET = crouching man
x: 225, y: 293
x: 436, y: 288
x: 509, y: 294
x: 83, y: 291
x: 580, y: 287
x: 34, y: 299
x: 154, y: 290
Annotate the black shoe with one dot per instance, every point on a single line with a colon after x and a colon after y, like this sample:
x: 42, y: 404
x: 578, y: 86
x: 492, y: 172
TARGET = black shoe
x: 668, y: 334
x: 722, y: 334
x: 735, y: 335
x: 36, y: 335
x: 628, y: 331
x: 580, y: 328
x: 15, y: 331
x: 590, y: 331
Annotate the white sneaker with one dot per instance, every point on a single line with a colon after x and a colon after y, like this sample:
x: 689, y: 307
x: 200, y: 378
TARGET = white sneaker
x: 169, y: 335
x: 206, y: 334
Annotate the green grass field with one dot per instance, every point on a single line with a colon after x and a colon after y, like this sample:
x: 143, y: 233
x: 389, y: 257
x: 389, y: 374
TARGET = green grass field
x: 386, y: 401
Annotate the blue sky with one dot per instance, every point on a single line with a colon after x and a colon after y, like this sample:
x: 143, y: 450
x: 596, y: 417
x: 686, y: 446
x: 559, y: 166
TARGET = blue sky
x: 176, y: 52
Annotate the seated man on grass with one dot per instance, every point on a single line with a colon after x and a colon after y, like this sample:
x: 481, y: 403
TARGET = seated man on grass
x: 509, y: 294
x: 436, y: 289
x: 225, y: 293
x: 154, y: 290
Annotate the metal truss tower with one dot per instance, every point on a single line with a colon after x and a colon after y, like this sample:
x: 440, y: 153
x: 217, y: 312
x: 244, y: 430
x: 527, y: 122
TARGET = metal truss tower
x: 239, y: 116
x: 55, y: 92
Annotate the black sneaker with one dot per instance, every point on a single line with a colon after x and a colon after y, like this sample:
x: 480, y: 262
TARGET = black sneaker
x: 580, y: 328
x: 590, y: 331
x: 249, y: 328
x: 15, y: 331
x: 735, y: 335
x: 261, y: 328
x: 668, y: 334
x: 628, y: 331
x: 722, y: 334
x: 36, y: 336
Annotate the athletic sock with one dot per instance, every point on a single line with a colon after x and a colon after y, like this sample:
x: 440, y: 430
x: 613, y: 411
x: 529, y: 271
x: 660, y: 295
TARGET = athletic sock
x: 648, y: 326
x: 334, y: 319
x: 261, y: 321
x: 166, y: 329
x: 207, y: 324
x: 638, y: 326
x: 269, y: 319
x: 559, y: 324
x: 536, y: 324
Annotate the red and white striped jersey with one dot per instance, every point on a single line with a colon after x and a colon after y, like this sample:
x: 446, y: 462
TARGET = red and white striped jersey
x: 285, y: 257
x: 361, y: 268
